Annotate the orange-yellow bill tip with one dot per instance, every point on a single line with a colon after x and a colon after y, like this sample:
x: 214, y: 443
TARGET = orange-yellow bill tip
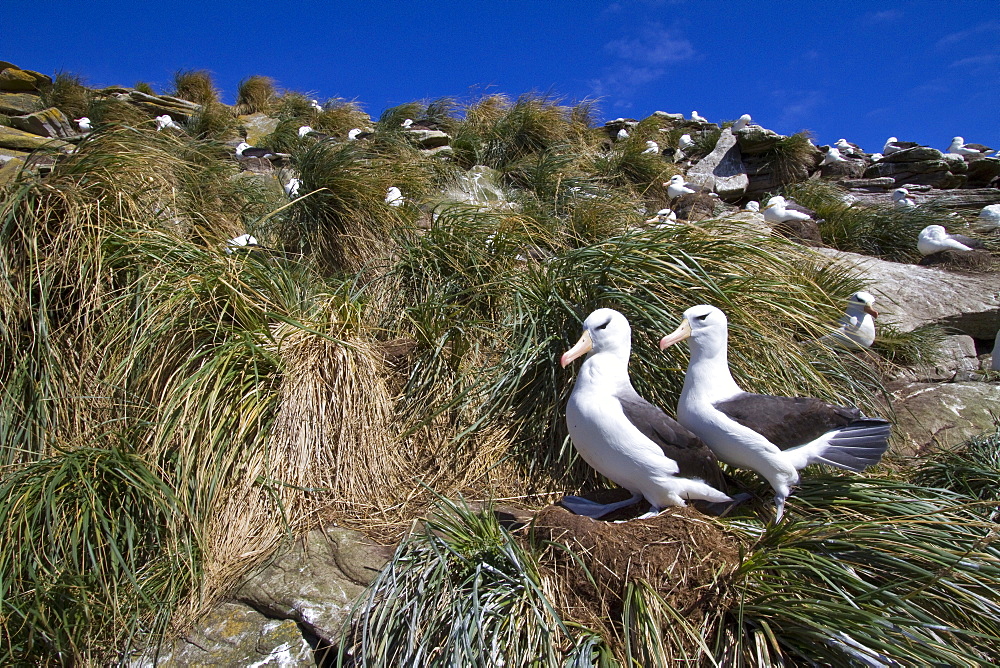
x: 677, y: 335
x: 582, y: 347
x: 871, y: 311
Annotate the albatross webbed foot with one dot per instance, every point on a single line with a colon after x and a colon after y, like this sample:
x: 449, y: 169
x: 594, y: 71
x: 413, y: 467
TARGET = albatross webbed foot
x: 588, y: 508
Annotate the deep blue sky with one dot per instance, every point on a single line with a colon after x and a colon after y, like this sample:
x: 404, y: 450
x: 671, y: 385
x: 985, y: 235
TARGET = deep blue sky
x: 919, y: 70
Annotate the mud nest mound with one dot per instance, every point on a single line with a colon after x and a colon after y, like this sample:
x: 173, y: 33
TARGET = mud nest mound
x: 975, y: 260
x: 681, y: 554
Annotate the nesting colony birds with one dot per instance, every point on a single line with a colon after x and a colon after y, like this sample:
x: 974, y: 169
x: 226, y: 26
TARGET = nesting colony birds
x: 935, y: 238
x: 856, y: 328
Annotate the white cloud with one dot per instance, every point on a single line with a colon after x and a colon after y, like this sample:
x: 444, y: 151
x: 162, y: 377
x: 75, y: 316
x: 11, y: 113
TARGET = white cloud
x: 963, y: 35
x: 654, y: 45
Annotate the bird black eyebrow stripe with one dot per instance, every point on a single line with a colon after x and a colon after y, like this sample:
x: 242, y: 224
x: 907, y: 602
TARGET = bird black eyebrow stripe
x: 604, y: 325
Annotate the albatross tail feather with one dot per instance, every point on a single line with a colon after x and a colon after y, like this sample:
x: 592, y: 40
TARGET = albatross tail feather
x: 855, y: 447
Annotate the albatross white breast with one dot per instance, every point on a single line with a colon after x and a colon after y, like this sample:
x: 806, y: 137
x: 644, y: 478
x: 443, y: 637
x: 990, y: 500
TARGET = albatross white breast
x: 774, y: 436
x: 856, y: 328
x: 623, y: 436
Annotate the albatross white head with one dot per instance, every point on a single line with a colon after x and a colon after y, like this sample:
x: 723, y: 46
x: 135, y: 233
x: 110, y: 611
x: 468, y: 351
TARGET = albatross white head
x: 604, y: 331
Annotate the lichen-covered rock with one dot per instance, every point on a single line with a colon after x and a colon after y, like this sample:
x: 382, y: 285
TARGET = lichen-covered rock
x: 429, y: 139
x: 19, y: 140
x: 14, y: 79
x: 315, y: 582
x: 955, y: 357
x: 722, y: 170
x: 931, y: 416
x: 910, y: 296
x: 46, y: 123
x: 16, y: 104
x: 755, y: 139
x: 983, y: 172
x: 234, y: 635
x: 10, y: 162
x: 157, y: 105
x: 258, y: 126
x: 915, y: 154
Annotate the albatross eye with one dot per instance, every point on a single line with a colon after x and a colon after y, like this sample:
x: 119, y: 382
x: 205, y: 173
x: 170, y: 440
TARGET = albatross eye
x: 604, y: 326
x: 701, y: 317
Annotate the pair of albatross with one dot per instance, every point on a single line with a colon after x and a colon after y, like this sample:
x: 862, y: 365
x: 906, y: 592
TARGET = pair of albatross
x: 667, y: 462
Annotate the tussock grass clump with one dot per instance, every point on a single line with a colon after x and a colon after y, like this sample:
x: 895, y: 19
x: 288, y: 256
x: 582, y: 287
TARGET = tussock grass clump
x: 68, y: 94
x: 144, y: 87
x: 195, y: 86
x: 214, y: 121
x: 971, y: 468
x: 340, y: 116
x: 255, y: 94
x: 97, y: 554
x: 885, y: 231
x: 792, y: 158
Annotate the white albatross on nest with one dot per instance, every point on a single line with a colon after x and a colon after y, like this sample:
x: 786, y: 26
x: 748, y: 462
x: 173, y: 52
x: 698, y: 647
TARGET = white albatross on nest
x: 743, y: 121
x: 832, y: 156
x: 685, y: 142
x: 84, y: 124
x: 292, y: 187
x: 856, y: 328
x: 959, y: 146
x: 651, y: 147
x: 242, y: 242
x: 774, y: 436
x: 677, y: 186
x: 695, y: 116
x: 623, y: 436
x: 245, y: 150
x: 901, y: 198
x: 934, y: 239
x: 394, y: 196
x: 663, y: 218
x: 780, y: 210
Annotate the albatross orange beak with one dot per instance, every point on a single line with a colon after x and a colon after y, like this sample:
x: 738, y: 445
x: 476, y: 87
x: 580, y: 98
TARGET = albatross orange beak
x: 677, y: 336
x: 871, y: 311
x: 582, y: 347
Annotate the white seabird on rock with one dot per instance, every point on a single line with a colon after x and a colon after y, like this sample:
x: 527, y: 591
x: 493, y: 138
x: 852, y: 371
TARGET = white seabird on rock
x: 685, y: 142
x: 934, y: 239
x: 622, y: 134
x: 292, y: 187
x: 663, y: 218
x: 623, y: 436
x: 847, y: 148
x: 743, y: 121
x: 304, y: 130
x: 84, y: 124
x: 753, y: 205
x: 651, y: 147
x: 695, y: 116
x: 901, y: 198
x: 893, y: 145
x: 832, y: 156
x: 315, y: 105
x: 959, y: 147
x: 856, y: 328
x: 774, y: 436
x: 353, y: 133
x: 244, y: 241
x: 780, y: 210
x: 165, y: 121
x: 394, y: 197
x: 406, y: 123
x: 676, y: 187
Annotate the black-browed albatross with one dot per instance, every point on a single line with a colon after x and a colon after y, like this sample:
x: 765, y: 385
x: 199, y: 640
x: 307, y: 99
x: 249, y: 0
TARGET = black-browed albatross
x: 774, y: 436
x: 623, y: 436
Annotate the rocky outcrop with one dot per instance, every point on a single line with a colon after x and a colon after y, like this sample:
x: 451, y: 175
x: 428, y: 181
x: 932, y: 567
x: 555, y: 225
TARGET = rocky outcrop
x: 722, y: 170
x: 14, y: 79
x: 19, y: 140
x: 46, y: 123
x: 931, y: 416
x: 15, y: 104
x: 921, y: 165
x: 429, y: 139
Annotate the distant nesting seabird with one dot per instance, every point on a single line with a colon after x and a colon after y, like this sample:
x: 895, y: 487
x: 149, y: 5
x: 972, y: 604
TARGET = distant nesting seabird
x: 394, y: 197
x: 304, y: 130
x: 622, y: 134
x: 84, y: 124
x: 406, y: 123
x: 292, y: 187
x: 651, y: 147
x: 832, y: 156
x: 677, y: 187
x: 165, y: 121
x: 244, y: 241
x: 353, y: 133
x: 753, y: 205
x: 893, y: 145
x: 743, y: 121
x: 315, y: 105
x: 934, y: 239
x: 774, y: 436
x: 623, y: 436
x: 245, y: 150
x: 847, y: 148
x: 695, y: 116
x: 780, y: 210
x: 856, y: 328
x: 959, y: 146
x: 685, y: 142
x: 901, y: 198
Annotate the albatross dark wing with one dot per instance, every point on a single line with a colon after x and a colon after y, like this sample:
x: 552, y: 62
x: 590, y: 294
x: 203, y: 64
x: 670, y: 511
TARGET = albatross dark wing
x: 787, y: 421
x: 694, y: 459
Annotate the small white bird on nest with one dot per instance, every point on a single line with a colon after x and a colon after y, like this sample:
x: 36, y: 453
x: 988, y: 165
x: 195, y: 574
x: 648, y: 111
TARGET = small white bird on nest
x: 166, y: 122
x: 394, y: 196
x: 743, y: 121
x: 695, y: 116
x: 84, y: 124
x: 676, y: 187
x: 901, y: 198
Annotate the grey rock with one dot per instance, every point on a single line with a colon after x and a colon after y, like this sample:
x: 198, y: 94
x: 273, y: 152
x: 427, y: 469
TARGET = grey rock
x: 916, y: 154
x: 956, y: 355
x: 46, y: 123
x: 755, y: 139
x: 17, y: 104
x: 315, y: 582
x: 984, y: 171
x: 722, y: 170
x: 848, y: 168
x: 19, y: 140
x: 931, y: 416
x: 697, y: 206
x: 667, y: 116
x: 911, y: 296
x: 428, y: 139
x: 257, y: 126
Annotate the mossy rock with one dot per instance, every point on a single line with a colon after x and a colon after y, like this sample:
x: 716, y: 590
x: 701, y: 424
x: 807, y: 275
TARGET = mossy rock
x: 17, y: 80
x: 19, y: 140
x: 257, y: 126
x: 10, y: 163
x: 46, y: 123
x: 16, y: 104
